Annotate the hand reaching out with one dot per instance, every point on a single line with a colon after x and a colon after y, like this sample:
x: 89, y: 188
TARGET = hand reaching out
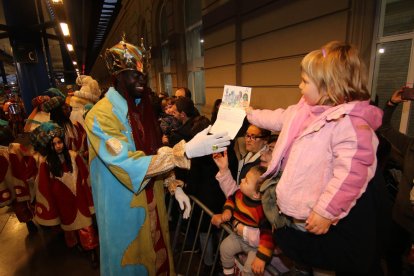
x: 221, y: 160
x: 248, y: 110
x: 396, y: 96
x: 204, y: 144
x: 317, y: 224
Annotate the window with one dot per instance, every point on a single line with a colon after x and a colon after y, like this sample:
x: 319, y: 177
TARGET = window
x: 194, y: 50
x: 144, y: 38
x: 394, y: 58
x: 165, y: 78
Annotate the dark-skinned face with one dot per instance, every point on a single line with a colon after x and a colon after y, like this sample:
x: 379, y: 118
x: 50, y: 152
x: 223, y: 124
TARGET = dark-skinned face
x: 134, y: 82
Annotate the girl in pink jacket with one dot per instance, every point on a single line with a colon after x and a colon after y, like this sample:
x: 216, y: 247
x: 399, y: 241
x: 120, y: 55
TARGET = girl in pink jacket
x: 327, y: 145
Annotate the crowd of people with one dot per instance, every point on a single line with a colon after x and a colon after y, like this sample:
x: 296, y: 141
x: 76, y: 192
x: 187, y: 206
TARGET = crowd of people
x: 308, y: 181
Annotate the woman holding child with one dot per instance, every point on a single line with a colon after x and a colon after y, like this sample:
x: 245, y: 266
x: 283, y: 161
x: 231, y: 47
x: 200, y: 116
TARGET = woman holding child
x: 325, y: 157
x: 326, y: 152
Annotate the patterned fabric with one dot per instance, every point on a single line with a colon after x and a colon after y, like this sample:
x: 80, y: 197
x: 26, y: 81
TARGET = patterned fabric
x: 24, y: 171
x: 15, y: 189
x: 39, y: 100
x: 36, y: 118
x: 6, y: 191
x: 20, y: 178
x: 167, y: 159
x: 118, y: 171
x: 65, y: 200
x: 45, y: 133
x: 250, y: 212
x: 52, y: 92
x: 75, y: 139
x: 172, y: 183
x: 53, y: 103
x: 124, y: 56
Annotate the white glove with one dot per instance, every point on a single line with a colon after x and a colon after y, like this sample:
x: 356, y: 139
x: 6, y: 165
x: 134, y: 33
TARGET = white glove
x: 204, y: 144
x: 183, y: 201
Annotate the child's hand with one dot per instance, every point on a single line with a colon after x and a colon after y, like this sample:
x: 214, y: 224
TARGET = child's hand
x: 226, y: 216
x: 317, y: 224
x: 248, y: 110
x: 221, y: 160
x: 258, y: 266
x: 216, y: 220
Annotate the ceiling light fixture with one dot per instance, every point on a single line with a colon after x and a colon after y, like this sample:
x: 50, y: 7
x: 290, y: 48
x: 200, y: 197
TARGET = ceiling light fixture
x: 65, y: 29
x: 70, y: 47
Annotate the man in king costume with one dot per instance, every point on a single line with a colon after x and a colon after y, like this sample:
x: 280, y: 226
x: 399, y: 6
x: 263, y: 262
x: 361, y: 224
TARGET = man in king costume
x: 125, y: 165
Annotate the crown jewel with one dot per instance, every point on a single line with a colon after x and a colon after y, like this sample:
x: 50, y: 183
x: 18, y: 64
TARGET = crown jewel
x: 126, y: 56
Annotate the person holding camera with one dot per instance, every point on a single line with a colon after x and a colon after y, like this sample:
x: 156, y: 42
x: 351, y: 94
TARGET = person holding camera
x: 403, y: 210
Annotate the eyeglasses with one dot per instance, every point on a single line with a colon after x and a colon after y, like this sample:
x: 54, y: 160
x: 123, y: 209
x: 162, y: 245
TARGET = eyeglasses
x: 252, y: 137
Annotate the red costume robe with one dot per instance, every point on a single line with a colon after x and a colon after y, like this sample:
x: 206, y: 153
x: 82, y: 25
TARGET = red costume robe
x: 67, y: 201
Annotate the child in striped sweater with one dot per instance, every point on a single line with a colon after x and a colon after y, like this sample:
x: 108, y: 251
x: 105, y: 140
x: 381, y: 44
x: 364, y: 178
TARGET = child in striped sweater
x: 245, y: 206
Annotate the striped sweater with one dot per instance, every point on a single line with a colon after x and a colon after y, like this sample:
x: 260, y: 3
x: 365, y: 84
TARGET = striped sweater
x: 250, y: 213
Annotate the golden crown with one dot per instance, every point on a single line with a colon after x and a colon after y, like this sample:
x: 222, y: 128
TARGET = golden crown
x: 126, y: 56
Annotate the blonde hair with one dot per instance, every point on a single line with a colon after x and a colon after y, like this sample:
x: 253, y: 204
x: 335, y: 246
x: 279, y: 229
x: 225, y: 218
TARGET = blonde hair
x: 338, y: 72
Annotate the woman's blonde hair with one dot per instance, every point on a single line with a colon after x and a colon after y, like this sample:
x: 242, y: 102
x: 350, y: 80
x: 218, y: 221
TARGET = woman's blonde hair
x: 338, y: 72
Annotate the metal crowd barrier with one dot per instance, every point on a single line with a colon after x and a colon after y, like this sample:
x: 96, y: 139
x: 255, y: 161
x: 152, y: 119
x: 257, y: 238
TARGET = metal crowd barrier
x: 193, y: 264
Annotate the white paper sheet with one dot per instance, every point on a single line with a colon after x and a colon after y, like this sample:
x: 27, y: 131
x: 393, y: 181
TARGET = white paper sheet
x: 231, y: 112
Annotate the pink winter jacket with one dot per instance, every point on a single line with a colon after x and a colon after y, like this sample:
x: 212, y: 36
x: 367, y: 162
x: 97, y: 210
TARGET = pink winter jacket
x: 330, y: 162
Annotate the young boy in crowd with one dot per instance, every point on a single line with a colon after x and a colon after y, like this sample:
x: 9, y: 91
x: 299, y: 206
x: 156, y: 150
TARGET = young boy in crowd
x: 245, y: 206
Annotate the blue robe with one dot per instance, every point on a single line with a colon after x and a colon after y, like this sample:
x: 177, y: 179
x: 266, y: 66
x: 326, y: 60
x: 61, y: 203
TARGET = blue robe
x: 117, y: 172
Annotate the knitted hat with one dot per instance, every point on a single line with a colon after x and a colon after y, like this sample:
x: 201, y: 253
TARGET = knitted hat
x: 42, y: 135
x: 54, y: 92
x: 53, y: 103
x: 39, y: 100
